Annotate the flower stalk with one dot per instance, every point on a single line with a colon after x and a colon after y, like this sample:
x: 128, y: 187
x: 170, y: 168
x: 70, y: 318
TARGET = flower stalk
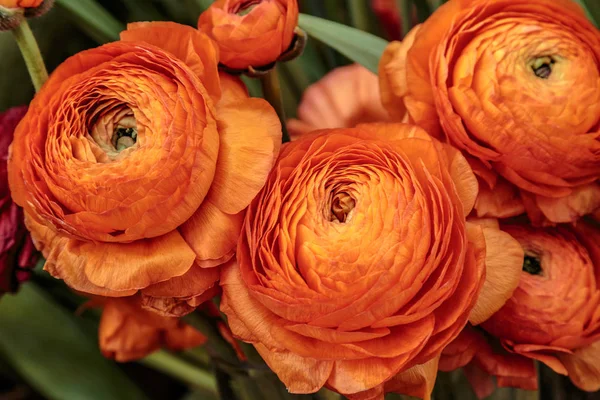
x: 272, y: 93
x: 181, y: 370
x: 31, y: 54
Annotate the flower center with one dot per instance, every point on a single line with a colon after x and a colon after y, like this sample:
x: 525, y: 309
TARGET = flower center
x: 246, y: 7
x: 531, y: 265
x: 341, y: 206
x: 124, y: 138
x: 542, y: 66
x: 124, y: 134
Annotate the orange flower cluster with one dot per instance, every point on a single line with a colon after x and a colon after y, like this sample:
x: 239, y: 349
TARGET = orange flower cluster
x: 435, y: 217
x: 515, y: 86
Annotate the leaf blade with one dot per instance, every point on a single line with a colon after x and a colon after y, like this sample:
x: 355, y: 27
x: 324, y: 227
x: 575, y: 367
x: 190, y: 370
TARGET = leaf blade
x: 47, y: 346
x: 361, y: 47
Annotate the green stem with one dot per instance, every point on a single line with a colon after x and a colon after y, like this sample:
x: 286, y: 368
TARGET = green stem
x: 423, y: 10
x: 181, y: 370
x: 216, y: 345
x: 405, y: 8
x: 31, y: 53
x: 359, y: 14
x: 272, y: 93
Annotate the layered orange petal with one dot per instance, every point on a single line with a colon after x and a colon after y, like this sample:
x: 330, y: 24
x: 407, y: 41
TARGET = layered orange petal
x: 250, y: 139
x: 503, y: 262
x: 194, y: 48
x: 392, y: 75
x: 583, y: 367
x: 313, y: 287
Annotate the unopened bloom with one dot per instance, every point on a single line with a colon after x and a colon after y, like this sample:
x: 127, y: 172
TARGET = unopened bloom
x: 553, y: 316
x: 127, y: 332
x: 515, y: 85
x: 344, y: 98
x: 17, y: 254
x: 20, y: 3
x: 12, y: 12
x: 135, y: 163
x: 356, y: 264
x: 250, y: 33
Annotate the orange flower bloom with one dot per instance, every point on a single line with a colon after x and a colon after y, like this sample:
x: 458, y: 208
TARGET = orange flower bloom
x: 128, y: 333
x: 135, y: 163
x: 20, y: 3
x: 356, y: 264
x: 515, y: 85
x: 250, y: 33
x: 344, y: 98
x: 553, y: 316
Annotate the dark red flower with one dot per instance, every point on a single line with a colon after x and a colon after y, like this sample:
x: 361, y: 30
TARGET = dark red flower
x: 17, y: 254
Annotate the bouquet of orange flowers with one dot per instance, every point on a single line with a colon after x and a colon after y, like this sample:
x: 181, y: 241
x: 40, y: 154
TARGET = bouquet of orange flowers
x: 300, y: 199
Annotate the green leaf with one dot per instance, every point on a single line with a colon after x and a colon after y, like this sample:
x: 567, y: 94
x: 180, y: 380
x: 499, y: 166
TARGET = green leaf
x: 592, y: 9
x: 98, y: 23
x: 361, y: 47
x: 204, y: 4
x: 52, y: 352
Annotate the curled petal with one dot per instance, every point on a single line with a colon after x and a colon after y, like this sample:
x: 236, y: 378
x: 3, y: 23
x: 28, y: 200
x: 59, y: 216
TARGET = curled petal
x: 417, y: 381
x: 212, y: 234
x: 392, y: 75
x: 583, y: 367
x: 503, y: 263
x: 250, y: 139
x: 299, y: 374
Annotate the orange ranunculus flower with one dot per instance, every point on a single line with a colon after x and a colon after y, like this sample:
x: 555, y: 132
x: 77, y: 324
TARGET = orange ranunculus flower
x: 344, y: 98
x: 127, y: 332
x: 20, y: 3
x: 135, y: 163
x: 356, y: 264
x: 553, y: 316
x: 515, y: 85
x: 250, y: 33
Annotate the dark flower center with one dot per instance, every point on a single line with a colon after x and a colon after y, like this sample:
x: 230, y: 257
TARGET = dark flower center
x: 246, y: 7
x: 341, y: 206
x: 531, y: 265
x: 542, y: 66
x: 124, y: 137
